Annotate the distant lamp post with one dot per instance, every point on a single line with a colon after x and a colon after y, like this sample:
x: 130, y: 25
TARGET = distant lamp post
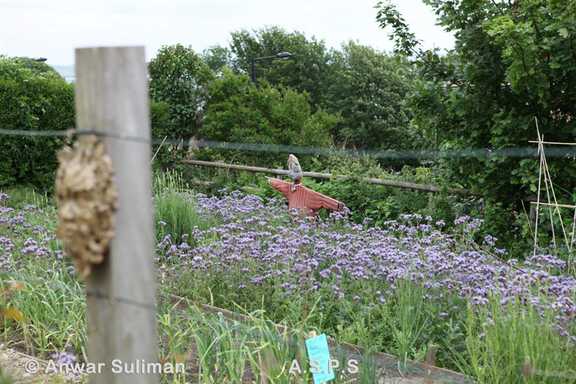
x: 278, y: 56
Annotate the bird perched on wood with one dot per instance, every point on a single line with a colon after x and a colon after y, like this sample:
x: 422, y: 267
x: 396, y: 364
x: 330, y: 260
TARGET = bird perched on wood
x: 295, y: 171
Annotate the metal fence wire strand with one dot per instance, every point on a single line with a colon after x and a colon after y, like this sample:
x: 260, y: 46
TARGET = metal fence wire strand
x: 479, y: 153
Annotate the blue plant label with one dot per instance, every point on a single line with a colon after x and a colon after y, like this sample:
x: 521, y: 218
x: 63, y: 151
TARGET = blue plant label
x: 319, y: 356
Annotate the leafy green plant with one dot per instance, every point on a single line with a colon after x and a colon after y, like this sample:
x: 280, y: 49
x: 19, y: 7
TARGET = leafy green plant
x: 52, y: 310
x: 32, y: 99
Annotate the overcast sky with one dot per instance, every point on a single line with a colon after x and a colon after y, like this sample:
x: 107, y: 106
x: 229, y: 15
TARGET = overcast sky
x: 53, y: 28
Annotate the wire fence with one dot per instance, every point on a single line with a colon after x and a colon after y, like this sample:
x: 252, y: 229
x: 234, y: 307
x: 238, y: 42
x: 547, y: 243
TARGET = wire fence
x: 426, y: 154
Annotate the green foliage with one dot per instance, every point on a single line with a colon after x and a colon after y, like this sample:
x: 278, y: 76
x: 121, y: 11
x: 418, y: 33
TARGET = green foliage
x: 37, y: 67
x: 240, y: 112
x: 369, y: 90
x: 166, y: 155
x: 160, y: 120
x: 379, y: 204
x: 32, y: 97
x: 513, y: 62
x: 388, y: 16
x: 217, y: 58
x: 308, y: 71
x: 179, y: 77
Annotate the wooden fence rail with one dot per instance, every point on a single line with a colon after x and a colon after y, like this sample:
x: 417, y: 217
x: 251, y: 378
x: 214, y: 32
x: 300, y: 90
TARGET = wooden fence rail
x: 327, y: 176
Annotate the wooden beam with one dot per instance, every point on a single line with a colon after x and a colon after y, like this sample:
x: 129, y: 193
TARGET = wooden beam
x: 112, y: 99
x: 553, y: 205
x: 552, y: 143
x: 328, y: 176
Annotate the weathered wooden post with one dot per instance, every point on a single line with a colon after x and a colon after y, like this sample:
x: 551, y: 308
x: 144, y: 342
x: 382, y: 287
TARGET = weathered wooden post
x: 112, y: 99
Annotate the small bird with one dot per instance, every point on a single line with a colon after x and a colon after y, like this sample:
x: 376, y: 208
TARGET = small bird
x: 295, y: 171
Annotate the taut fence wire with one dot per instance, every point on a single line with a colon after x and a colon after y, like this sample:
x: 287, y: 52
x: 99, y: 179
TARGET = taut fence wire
x: 479, y: 153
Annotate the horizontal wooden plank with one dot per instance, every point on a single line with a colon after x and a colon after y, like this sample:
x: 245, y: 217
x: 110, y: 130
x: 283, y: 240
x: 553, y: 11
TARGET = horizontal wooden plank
x: 553, y: 205
x: 327, y: 176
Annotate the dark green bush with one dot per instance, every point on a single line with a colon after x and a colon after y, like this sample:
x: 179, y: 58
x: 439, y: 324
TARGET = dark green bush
x: 36, y: 99
x: 240, y: 112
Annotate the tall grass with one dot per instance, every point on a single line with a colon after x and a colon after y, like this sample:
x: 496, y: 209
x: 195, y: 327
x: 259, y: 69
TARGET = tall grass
x: 176, y: 211
x: 255, y: 350
x: 22, y: 196
x: 515, y: 344
x: 52, y: 306
x: 409, y: 321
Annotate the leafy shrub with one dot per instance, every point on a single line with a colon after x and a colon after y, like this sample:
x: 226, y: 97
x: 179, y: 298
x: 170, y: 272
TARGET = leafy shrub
x: 240, y: 112
x: 380, y: 203
x: 31, y: 98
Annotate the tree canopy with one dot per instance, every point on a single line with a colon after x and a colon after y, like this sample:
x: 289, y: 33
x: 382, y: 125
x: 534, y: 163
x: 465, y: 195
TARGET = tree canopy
x: 180, y: 78
x: 307, y: 71
x: 369, y: 90
x: 514, y: 63
x: 240, y: 112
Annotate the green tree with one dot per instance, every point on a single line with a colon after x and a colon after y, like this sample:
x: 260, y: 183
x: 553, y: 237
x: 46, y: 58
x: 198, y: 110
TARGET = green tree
x: 217, y: 58
x: 240, y: 112
x: 369, y: 89
x: 307, y: 71
x: 179, y: 77
x: 513, y: 61
x: 32, y: 97
x: 37, y: 67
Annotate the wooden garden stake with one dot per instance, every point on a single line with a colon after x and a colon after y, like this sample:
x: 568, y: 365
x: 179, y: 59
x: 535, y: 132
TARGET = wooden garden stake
x: 112, y: 99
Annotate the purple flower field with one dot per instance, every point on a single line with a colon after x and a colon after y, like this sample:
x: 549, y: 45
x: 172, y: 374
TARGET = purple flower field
x: 345, y: 279
x: 257, y: 244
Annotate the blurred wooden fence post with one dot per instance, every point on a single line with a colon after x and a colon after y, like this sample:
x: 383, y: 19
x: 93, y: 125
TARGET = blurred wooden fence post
x: 112, y: 98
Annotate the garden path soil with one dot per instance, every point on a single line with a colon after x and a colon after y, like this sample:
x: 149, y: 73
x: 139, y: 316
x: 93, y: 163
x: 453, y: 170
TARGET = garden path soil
x: 15, y: 365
